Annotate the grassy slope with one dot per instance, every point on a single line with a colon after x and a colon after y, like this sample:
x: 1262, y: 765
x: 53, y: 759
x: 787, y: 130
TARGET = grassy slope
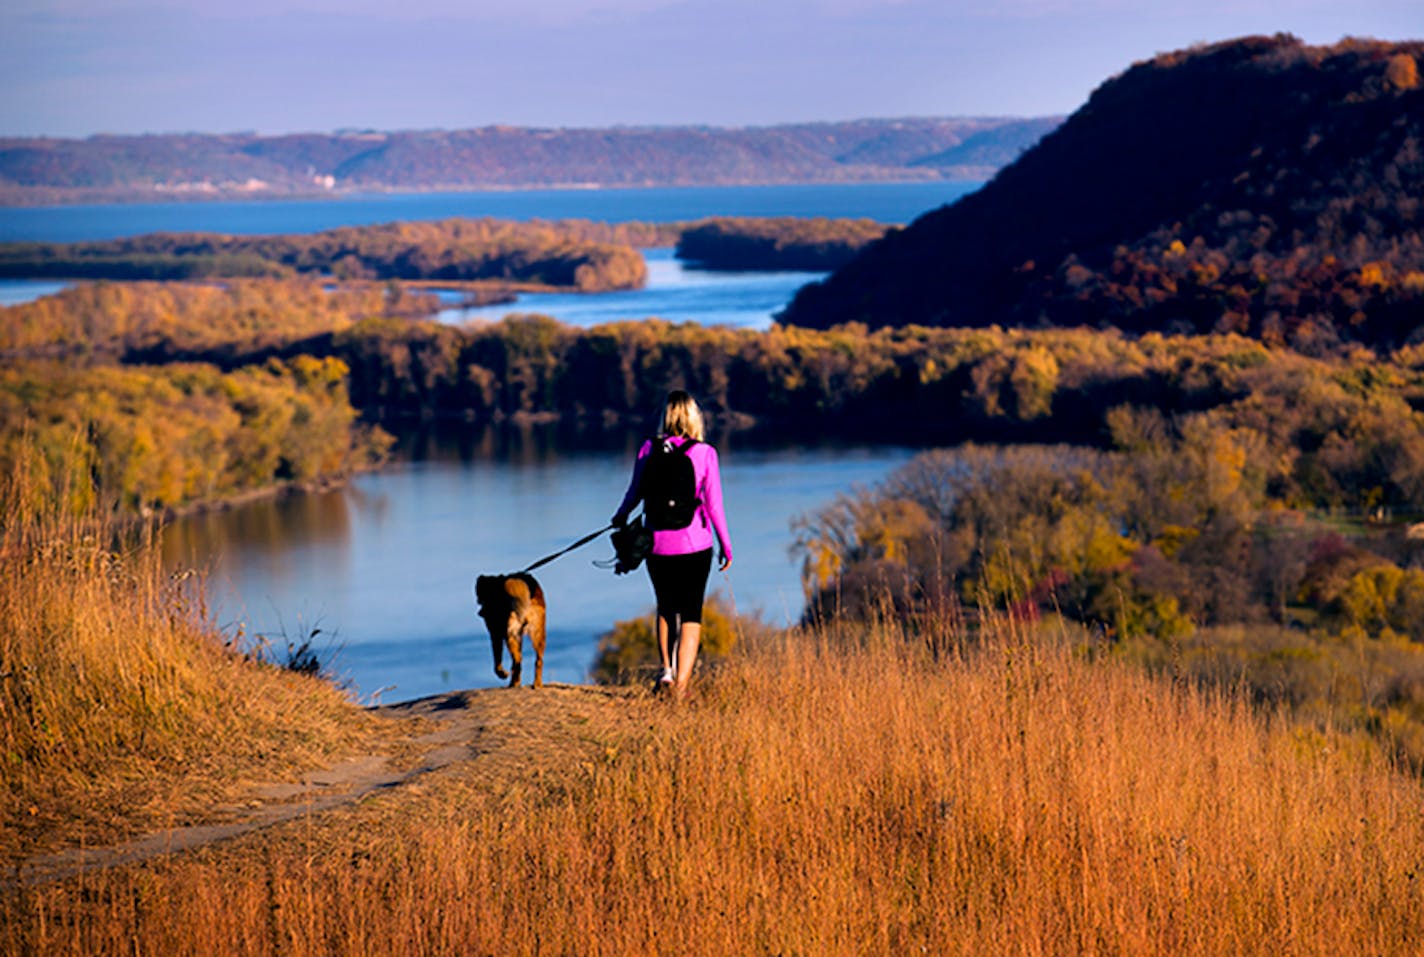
x: 121, y: 707
x: 827, y: 794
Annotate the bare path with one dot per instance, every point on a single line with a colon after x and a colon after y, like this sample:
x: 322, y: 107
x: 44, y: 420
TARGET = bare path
x: 507, y: 729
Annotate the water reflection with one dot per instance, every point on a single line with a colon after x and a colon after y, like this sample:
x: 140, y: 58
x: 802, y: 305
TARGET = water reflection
x: 547, y: 443
x: 266, y: 526
x: 525, y: 444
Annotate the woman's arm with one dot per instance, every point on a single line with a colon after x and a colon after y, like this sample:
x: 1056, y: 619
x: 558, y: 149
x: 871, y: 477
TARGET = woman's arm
x: 630, y: 497
x: 712, y: 506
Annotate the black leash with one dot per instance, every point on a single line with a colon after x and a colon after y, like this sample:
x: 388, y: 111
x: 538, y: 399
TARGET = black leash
x: 564, y: 551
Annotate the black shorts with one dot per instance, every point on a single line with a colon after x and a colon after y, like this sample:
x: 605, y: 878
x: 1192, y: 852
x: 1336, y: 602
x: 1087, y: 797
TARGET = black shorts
x: 680, y: 582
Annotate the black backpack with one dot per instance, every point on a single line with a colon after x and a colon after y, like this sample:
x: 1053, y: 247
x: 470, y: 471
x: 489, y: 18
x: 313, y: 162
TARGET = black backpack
x: 669, y: 486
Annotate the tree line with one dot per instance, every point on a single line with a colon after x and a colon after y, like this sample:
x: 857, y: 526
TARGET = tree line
x: 137, y: 439
x: 143, y: 321
x: 813, y: 244
x: 575, y: 254
x: 1336, y: 432
x: 456, y: 250
x: 1340, y: 431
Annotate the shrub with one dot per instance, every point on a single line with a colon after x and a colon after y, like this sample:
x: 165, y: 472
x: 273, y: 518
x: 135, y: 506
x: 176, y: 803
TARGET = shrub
x: 628, y: 652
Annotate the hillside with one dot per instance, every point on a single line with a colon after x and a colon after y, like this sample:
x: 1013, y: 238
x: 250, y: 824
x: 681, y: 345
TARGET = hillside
x: 1004, y: 799
x: 37, y: 170
x: 1259, y: 186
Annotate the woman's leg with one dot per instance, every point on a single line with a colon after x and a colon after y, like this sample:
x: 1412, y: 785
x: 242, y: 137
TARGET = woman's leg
x: 665, y: 653
x: 680, y: 582
x: 688, y: 639
x: 695, y: 570
x: 663, y: 577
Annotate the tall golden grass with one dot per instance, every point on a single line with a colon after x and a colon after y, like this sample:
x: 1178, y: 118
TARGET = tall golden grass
x: 831, y: 793
x: 120, y: 705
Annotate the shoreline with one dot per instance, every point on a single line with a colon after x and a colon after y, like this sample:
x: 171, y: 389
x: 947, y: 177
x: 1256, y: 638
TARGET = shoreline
x: 282, y: 489
x: 148, y: 520
x: 66, y: 198
x: 734, y: 421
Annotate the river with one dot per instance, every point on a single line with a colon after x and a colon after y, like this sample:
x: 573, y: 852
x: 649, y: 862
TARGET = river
x: 674, y: 290
x: 884, y: 202
x: 381, y: 570
x: 384, y: 566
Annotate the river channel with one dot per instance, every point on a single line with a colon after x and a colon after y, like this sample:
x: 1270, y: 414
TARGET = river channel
x: 380, y: 570
x: 383, y: 567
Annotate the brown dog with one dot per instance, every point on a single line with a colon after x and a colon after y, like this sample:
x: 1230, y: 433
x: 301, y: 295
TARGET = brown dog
x: 512, y: 605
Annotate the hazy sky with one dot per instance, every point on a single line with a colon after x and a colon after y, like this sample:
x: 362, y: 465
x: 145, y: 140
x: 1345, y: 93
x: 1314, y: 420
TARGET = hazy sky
x: 75, y: 67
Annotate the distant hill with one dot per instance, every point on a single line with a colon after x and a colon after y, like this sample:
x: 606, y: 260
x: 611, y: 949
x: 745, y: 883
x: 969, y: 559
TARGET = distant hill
x: 199, y: 165
x: 1259, y: 186
x: 981, y: 154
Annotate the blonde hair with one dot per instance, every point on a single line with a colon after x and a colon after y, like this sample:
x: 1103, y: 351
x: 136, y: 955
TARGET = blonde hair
x: 681, y: 416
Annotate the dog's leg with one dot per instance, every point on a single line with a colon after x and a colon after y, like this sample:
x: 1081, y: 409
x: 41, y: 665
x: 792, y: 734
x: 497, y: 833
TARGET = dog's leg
x: 536, y: 638
x: 513, y: 639
x: 497, y: 646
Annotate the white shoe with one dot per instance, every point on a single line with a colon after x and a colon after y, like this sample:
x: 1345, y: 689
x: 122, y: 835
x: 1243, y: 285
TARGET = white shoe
x: 667, y: 677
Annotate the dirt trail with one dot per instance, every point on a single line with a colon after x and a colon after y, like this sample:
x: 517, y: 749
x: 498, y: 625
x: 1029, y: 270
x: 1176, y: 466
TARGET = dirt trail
x: 504, y: 732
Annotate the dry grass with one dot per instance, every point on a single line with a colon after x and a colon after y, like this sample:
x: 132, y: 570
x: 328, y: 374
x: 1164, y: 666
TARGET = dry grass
x: 829, y: 794
x: 120, y: 707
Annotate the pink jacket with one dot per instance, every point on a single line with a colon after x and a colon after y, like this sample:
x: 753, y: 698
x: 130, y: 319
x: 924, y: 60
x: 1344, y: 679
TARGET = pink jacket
x: 697, y: 536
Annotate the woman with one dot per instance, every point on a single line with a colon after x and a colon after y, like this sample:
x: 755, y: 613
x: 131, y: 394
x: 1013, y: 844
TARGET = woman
x: 682, y: 532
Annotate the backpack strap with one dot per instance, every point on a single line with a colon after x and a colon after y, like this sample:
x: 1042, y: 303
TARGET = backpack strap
x: 665, y: 443
x: 686, y: 448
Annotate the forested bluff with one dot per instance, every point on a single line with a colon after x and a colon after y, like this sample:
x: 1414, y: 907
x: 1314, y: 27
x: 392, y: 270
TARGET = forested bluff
x: 1260, y: 186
